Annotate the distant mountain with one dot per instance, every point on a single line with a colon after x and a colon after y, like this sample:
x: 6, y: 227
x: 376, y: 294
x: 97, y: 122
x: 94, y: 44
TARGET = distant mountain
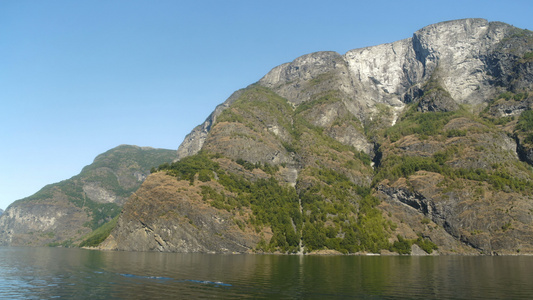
x: 408, y: 147
x: 64, y: 213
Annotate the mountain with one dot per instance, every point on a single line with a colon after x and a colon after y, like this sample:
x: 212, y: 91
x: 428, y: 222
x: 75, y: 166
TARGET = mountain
x: 418, y: 145
x: 64, y: 213
x: 421, y: 146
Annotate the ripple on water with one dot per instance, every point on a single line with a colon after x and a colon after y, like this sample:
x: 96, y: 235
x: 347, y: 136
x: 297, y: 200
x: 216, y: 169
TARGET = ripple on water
x: 46, y: 273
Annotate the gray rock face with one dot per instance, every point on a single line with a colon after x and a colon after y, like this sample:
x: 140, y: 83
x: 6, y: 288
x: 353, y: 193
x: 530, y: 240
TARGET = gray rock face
x: 194, y: 141
x: 510, y: 108
x: 294, y: 81
x: 41, y: 224
x: 437, y: 101
x: 99, y: 194
x: 457, y: 50
x: 463, y: 55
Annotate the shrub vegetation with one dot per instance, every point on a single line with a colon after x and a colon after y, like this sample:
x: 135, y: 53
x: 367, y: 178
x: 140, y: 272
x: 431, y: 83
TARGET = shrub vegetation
x: 100, y: 234
x: 335, y: 213
x: 525, y: 125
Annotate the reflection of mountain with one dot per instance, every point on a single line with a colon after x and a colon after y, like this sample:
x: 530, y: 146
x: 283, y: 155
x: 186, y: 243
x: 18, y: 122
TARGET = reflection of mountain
x: 147, y: 275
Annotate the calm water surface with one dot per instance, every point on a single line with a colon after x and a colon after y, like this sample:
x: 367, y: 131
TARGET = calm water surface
x: 46, y: 273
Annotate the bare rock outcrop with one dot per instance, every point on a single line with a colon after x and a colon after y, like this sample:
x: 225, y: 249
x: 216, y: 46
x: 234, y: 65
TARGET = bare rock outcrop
x: 463, y: 55
x: 167, y: 215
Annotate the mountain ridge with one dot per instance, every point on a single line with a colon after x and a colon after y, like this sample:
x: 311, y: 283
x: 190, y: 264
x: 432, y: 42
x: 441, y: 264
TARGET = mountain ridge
x: 422, y: 146
x: 63, y: 213
x: 373, y: 87
x: 382, y: 146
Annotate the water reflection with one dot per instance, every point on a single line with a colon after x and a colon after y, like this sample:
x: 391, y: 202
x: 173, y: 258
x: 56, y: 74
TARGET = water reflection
x: 45, y: 273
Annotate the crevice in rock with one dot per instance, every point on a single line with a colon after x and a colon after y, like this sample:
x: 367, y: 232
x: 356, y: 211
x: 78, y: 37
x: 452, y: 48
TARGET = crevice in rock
x: 523, y: 152
x: 146, y: 226
x: 409, y: 198
x: 377, y: 156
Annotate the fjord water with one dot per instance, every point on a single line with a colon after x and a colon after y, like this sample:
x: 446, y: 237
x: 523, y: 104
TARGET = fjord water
x: 45, y: 273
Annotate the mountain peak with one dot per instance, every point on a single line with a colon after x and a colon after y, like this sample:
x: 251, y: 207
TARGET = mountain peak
x: 459, y: 55
x: 426, y: 140
x: 417, y: 109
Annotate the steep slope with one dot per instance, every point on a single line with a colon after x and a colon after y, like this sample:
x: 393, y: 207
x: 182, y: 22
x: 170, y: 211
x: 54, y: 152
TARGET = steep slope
x: 63, y: 212
x: 262, y: 146
x: 461, y: 174
x: 162, y: 205
x: 472, y: 60
x: 420, y: 143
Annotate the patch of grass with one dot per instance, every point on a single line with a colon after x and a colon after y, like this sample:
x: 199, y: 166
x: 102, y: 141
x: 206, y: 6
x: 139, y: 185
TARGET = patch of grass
x: 100, y: 234
x: 502, y: 120
x: 403, y: 246
x: 230, y: 116
x: 394, y: 167
x: 528, y: 56
x: 100, y: 213
x: 506, y: 226
x: 188, y: 167
x: 324, y: 98
x: 422, y: 124
x: 426, y: 245
x: 525, y: 126
x: 512, y: 96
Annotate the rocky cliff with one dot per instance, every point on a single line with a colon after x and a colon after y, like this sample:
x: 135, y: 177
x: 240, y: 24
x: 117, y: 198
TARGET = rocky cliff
x: 64, y: 212
x: 424, y: 143
x: 195, y: 225
x: 470, y: 59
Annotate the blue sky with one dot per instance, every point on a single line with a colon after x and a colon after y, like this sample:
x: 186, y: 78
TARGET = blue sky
x: 78, y: 78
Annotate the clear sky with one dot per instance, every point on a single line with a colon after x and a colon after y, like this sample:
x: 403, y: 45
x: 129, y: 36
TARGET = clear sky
x: 78, y: 78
